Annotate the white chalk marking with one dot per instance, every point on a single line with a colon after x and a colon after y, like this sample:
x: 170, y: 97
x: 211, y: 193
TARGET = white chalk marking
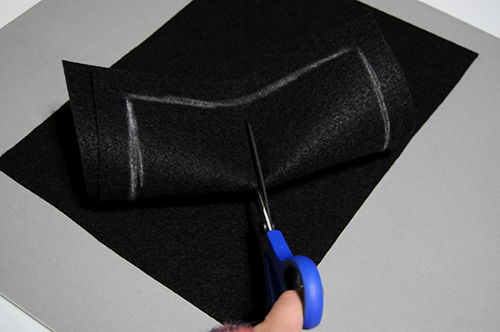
x: 135, y: 153
x: 244, y: 99
x: 380, y: 99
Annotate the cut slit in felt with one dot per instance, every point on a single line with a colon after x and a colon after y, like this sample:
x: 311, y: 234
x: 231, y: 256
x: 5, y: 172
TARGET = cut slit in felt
x: 200, y: 244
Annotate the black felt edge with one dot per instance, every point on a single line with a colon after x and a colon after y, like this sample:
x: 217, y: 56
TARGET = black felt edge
x: 80, y: 89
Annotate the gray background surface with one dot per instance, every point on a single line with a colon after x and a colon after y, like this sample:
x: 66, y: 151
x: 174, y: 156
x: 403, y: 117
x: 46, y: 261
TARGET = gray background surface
x: 421, y: 254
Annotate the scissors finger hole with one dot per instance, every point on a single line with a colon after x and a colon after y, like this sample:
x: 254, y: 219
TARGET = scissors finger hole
x: 292, y: 278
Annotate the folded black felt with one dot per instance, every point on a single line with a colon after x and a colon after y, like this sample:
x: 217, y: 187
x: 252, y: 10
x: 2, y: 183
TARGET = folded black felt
x: 204, y: 247
x: 146, y: 136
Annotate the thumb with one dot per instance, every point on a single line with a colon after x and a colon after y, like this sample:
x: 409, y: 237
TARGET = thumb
x: 286, y: 314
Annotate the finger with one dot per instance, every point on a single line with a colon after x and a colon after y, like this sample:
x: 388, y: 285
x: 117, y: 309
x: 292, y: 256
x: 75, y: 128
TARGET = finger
x: 286, y: 314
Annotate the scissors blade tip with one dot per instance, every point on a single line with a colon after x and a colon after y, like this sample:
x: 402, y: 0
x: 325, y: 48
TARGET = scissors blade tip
x: 261, y: 186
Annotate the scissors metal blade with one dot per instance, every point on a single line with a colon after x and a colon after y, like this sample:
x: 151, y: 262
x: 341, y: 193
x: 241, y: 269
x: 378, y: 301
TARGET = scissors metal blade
x: 261, y: 186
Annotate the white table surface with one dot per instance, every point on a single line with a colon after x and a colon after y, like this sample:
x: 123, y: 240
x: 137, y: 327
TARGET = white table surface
x: 482, y: 14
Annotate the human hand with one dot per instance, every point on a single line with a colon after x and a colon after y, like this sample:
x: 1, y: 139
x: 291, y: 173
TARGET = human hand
x: 285, y: 316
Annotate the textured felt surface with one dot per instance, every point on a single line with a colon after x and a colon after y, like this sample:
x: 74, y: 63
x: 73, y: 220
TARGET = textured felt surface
x: 146, y: 136
x: 204, y: 247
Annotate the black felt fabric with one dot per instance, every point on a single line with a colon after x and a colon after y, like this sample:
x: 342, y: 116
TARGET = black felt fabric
x: 147, y: 136
x: 204, y: 247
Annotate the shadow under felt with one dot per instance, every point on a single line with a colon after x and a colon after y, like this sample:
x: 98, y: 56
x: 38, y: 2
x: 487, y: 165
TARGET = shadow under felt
x: 206, y: 250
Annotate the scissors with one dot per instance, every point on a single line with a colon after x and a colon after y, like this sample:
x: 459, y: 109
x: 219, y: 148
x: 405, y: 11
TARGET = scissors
x: 284, y: 271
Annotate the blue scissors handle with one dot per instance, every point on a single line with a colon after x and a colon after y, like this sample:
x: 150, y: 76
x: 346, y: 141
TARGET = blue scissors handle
x: 285, y: 271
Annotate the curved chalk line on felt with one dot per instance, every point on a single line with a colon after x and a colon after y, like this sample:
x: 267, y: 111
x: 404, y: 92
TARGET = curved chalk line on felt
x: 136, y: 171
